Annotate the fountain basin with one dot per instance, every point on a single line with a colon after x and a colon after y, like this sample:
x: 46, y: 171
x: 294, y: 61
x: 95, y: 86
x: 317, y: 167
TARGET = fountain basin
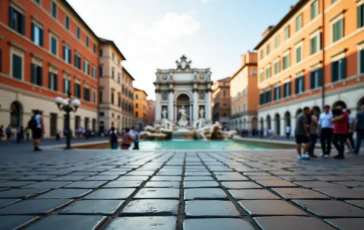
x: 183, y: 133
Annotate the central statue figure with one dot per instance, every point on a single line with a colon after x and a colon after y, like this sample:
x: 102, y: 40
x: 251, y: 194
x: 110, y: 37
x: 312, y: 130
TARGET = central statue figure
x: 183, y: 121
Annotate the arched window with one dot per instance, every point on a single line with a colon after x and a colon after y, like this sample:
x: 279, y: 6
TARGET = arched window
x: 15, y: 114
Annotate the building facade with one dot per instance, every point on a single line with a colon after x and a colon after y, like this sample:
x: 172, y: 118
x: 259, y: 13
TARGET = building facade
x: 127, y: 98
x: 221, y: 102
x: 140, y: 109
x: 185, y: 88
x: 151, y: 112
x: 313, y: 56
x: 46, y: 50
x: 110, y: 85
x: 244, y: 94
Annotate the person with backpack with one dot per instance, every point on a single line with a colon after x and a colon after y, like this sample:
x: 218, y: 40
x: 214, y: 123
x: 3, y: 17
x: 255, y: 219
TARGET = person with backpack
x: 37, y: 126
x: 113, y: 137
x: 136, y: 139
x: 8, y: 133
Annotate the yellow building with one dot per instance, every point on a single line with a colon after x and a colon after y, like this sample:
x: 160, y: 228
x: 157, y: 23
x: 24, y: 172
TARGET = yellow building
x: 140, y: 108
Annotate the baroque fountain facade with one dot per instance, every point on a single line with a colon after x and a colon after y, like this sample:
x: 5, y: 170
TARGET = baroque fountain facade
x: 183, y: 105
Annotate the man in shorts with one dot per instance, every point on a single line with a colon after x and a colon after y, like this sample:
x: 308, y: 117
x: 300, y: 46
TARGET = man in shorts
x: 302, y: 134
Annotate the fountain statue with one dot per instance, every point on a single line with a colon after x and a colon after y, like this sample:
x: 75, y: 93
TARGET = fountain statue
x: 183, y: 121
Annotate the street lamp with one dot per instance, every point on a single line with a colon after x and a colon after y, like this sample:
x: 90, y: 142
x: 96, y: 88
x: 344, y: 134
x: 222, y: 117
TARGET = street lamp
x: 67, y: 106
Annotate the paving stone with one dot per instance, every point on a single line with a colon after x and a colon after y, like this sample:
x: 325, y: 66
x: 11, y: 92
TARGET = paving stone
x: 6, y: 202
x: 210, y: 208
x: 25, y: 193
x: 240, y: 184
x: 198, y: 178
x: 342, y: 193
x: 217, y: 224
x: 15, y: 184
x: 276, y: 183
x: 64, y: 194
x: 66, y: 222
x: 70, y: 178
x: 347, y: 223
x: 133, y: 178
x: 351, y: 183
x: 151, y: 207
x: 231, y: 178
x: 123, y: 184
x: 143, y: 223
x: 291, y: 222
x: 110, y: 194
x: 101, y: 178
x: 155, y: 193
x: 36, y: 178
x: 204, y: 194
x: 358, y: 203
x: 162, y: 184
x: 47, y: 184
x: 258, y: 178
x: 253, y: 194
x: 16, y: 222
x: 166, y: 178
x: 141, y: 173
x: 93, y: 207
x: 330, y: 208
x: 331, y: 178
x: 270, y: 208
x: 34, y: 207
x: 298, y: 178
x: 317, y: 184
x: 200, y: 184
x: 85, y: 184
x: 299, y: 193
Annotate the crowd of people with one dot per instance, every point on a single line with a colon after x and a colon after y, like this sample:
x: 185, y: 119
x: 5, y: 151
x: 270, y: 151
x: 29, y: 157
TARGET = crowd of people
x: 128, y: 136
x: 335, y: 127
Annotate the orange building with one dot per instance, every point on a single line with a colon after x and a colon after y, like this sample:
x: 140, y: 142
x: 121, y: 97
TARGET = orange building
x: 127, y: 98
x: 151, y: 112
x: 221, y: 102
x: 244, y: 94
x: 46, y: 49
x: 313, y: 56
x: 140, y: 108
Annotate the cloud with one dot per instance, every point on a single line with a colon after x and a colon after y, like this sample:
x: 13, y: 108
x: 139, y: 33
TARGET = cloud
x: 205, y: 1
x: 171, y: 27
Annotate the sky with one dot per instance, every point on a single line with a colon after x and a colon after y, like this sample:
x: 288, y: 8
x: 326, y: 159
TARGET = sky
x: 153, y: 34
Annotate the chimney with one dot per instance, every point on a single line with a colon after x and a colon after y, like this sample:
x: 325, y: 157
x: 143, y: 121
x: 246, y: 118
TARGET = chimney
x: 269, y: 29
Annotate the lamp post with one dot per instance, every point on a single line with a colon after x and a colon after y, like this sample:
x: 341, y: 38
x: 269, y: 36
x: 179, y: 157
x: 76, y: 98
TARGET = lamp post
x: 67, y: 106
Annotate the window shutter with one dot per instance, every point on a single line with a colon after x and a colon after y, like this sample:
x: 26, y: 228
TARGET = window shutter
x: 1, y: 60
x: 303, y: 83
x: 361, y: 61
x: 33, y: 74
x: 320, y: 77
x: 343, y: 68
x: 75, y: 57
x: 49, y: 80
x: 55, y: 82
x: 333, y: 72
x: 32, y: 31
x: 41, y: 37
x: 11, y: 21
x: 64, y: 53
x: 40, y: 76
x: 296, y: 85
x: 69, y: 56
x: 279, y: 92
x: 358, y: 15
x: 312, y: 79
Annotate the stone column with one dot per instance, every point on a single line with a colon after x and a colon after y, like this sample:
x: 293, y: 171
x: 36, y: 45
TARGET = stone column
x: 170, y: 104
x: 157, y: 109
x: 195, y: 105
x: 190, y: 113
x: 208, y: 105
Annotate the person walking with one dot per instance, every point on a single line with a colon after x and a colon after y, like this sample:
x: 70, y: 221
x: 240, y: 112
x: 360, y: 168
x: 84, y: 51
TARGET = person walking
x: 324, y: 131
x: 302, y: 134
x: 359, y: 128
x: 127, y: 139
x: 313, y: 133
x: 1, y: 132
x: 349, y: 138
x: 8, y: 133
x: 27, y: 133
x: 113, y: 137
x: 37, y: 126
x: 20, y: 134
x: 136, y: 139
x: 288, y: 132
x: 340, y: 121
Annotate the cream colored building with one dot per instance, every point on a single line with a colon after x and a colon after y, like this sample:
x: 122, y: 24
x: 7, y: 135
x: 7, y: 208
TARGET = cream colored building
x: 110, y: 85
x: 127, y: 95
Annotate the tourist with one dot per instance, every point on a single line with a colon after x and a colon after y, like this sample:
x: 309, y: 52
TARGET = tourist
x: 340, y: 121
x: 359, y: 127
x: 37, y: 129
x: 113, y: 137
x: 324, y: 131
x: 1, y: 132
x: 8, y: 133
x: 20, y: 134
x: 349, y: 138
x: 127, y: 139
x: 27, y: 133
x: 288, y: 132
x: 302, y: 134
x: 136, y: 139
x: 313, y: 133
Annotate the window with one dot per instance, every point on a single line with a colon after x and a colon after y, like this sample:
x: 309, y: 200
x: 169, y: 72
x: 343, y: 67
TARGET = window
x: 267, y: 72
x: 118, y: 78
x: 261, y: 98
x: 338, y: 70
x: 77, y: 90
x: 1, y: 60
x: 136, y: 105
x: 37, y: 1
x: 94, y: 97
x: 361, y: 59
x: 113, y: 73
x: 333, y: 1
x: 101, y: 114
x: 268, y: 96
x: 286, y: 61
x: 100, y: 96
x: 287, y: 89
x: 100, y: 53
x: 261, y: 54
x: 119, y: 100
x: 78, y: 32
x: 17, y: 66
x: 298, y: 22
x: 360, y: 15
x: 37, y: 35
x: 100, y: 71
x: 261, y: 76
x: 315, y: 43
x: 94, y: 72
x: 54, y: 45
x: 52, y: 81
x: 67, y: 22
x: 224, y: 93
x: 276, y: 41
x: 277, y: 93
x: 36, y: 74
x: 298, y: 54
x: 112, y: 98
x: 268, y: 49
x: 136, y: 114
x: 338, y: 30
x: 136, y: 96
x: 86, y: 94
x: 94, y: 48
x: 286, y: 33
x: 314, y: 9
x: 77, y: 61
x: 86, y: 67
x: 66, y: 85
x: 87, y: 41
x: 112, y: 56
x: 300, y: 84
x: 67, y: 54
x: 277, y: 66
x: 54, y: 10
x: 17, y: 21
x: 316, y: 78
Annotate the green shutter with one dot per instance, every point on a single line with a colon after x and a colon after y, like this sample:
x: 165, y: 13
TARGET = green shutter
x: 303, y: 83
x: 32, y: 31
x: 312, y: 79
x: 361, y: 55
x: 17, y: 66
x: 22, y: 24
x: 343, y: 68
x: 320, y: 76
x: 64, y: 53
x: 49, y: 80
x: 296, y: 85
x: 33, y: 74
x: 41, y: 37
x: 11, y: 21
x: 40, y: 76
x: 69, y: 56
x: 55, y: 76
x: 333, y: 72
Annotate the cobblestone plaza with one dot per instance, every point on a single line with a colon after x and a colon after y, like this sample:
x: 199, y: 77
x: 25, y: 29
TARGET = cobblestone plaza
x: 104, y: 189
